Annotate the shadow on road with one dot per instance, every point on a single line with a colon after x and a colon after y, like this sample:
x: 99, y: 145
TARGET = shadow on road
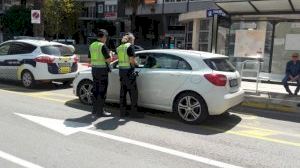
x: 16, y: 86
x: 213, y: 125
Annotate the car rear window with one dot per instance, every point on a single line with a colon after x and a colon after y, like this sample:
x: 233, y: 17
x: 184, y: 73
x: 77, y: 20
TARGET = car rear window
x: 57, y: 50
x: 220, y: 64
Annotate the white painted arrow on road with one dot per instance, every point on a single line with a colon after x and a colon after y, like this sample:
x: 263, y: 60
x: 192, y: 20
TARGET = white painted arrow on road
x: 69, y: 127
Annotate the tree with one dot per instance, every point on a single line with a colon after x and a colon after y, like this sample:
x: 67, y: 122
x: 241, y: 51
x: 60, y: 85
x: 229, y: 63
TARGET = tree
x: 16, y: 21
x: 61, y: 17
x: 133, y: 4
x: 52, y: 10
x: 70, y: 14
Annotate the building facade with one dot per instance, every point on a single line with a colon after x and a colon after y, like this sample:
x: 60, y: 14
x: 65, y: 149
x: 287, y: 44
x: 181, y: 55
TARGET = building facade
x: 265, y: 30
x: 158, y: 23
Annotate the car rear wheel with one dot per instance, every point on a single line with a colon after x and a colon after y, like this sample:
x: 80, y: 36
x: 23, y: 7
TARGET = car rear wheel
x: 27, y: 79
x: 85, y: 92
x: 191, y: 108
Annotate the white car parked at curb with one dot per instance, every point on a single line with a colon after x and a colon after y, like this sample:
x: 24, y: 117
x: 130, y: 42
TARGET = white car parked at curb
x: 191, y: 83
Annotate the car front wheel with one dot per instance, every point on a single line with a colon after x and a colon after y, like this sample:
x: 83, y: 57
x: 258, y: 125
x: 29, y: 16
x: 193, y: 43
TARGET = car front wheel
x: 191, y: 108
x: 85, y: 92
x: 27, y: 79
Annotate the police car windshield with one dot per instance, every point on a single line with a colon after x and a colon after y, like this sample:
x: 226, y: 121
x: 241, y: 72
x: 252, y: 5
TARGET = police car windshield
x: 57, y: 50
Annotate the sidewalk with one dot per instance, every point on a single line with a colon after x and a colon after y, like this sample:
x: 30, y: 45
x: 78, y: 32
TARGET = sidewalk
x: 270, y: 97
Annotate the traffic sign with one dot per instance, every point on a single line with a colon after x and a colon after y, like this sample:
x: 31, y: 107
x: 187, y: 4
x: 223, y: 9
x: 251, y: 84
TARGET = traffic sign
x: 212, y: 12
x: 35, y: 16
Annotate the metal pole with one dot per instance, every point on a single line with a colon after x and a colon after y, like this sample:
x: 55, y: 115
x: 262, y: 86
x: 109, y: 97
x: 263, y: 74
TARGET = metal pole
x: 163, y: 22
x: 214, y: 34
x: 188, y: 6
x: 38, y: 29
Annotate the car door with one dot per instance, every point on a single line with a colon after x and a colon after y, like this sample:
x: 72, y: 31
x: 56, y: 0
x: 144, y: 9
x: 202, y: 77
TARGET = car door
x: 4, y: 50
x: 161, y: 76
x: 19, y: 53
x: 113, y: 90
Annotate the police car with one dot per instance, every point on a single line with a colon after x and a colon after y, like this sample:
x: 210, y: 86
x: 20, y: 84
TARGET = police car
x: 31, y: 61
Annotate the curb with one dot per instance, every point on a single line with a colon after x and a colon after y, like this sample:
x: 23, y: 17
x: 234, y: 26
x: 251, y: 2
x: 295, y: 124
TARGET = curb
x: 266, y: 103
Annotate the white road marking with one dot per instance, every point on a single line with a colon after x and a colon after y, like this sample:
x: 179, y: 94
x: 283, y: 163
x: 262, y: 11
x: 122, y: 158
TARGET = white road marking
x: 18, y: 161
x: 70, y: 127
x: 162, y: 149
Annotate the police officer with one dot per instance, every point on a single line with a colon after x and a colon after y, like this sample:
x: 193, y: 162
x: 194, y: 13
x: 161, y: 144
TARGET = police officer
x: 127, y: 63
x: 100, y: 59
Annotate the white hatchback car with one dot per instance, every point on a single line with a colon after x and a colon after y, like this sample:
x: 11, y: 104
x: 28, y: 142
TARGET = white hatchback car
x: 191, y: 83
x: 37, y: 60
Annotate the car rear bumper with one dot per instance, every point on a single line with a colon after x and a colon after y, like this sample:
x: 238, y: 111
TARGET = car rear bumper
x: 223, y: 103
x: 41, y: 73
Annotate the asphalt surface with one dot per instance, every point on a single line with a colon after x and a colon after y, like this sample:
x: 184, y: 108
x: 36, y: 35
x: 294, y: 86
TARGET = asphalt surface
x: 244, y: 137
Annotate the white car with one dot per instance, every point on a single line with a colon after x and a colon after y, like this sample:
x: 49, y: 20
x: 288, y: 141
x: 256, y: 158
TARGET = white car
x: 191, y: 83
x: 31, y: 61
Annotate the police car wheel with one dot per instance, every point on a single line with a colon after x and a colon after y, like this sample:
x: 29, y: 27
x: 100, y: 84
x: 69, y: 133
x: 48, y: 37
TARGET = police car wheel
x: 27, y: 79
x: 191, y: 108
x: 85, y: 93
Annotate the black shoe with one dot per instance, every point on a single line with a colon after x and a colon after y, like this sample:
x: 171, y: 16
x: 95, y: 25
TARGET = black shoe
x: 105, y: 114
x: 290, y: 93
x: 295, y: 94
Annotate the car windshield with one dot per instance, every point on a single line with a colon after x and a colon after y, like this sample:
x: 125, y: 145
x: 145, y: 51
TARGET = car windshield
x: 57, y: 50
x: 220, y: 64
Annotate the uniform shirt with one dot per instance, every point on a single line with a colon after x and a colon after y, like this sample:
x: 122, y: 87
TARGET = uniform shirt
x: 293, y: 69
x: 105, y: 51
x: 130, y: 51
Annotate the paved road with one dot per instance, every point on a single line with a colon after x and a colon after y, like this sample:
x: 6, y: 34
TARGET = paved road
x: 48, y: 127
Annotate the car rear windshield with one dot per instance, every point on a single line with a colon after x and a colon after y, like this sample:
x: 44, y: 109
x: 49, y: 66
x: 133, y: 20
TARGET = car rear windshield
x: 220, y: 64
x: 57, y: 50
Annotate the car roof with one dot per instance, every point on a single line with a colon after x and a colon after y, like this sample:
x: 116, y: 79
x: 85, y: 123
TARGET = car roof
x: 185, y: 53
x: 36, y: 42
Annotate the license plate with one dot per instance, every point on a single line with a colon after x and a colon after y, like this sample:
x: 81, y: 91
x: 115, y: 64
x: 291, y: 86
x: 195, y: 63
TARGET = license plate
x: 64, y: 70
x: 64, y: 64
x: 233, y: 82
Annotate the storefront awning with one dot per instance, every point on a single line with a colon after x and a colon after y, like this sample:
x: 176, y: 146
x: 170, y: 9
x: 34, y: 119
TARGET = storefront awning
x: 259, y: 6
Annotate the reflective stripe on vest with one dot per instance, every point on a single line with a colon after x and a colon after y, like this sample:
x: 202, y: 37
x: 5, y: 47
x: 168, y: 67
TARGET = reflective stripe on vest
x: 97, y: 57
x: 123, y: 57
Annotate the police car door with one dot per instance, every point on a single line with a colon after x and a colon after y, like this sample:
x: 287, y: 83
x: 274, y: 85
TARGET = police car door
x: 4, y: 49
x: 18, y: 54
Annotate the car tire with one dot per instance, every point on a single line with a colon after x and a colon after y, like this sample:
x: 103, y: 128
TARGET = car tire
x: 191, y: 108
x: 27, y: 79
x: 84, y: 92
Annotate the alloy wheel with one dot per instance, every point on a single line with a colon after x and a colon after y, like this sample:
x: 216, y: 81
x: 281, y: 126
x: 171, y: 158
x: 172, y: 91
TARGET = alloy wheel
x: 27, y: 79
x: 189, y: 108
x: 86, y: 94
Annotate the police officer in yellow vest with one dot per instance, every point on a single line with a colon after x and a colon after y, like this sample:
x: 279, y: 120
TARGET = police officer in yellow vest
x: 127, y: 63
x: 100, y: 59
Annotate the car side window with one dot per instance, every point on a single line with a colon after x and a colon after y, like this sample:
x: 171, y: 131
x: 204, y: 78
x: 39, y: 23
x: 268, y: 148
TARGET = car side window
x: 142, y: 59
x: 4, y: 49
x: 21, y: 48
x: 167, y: 61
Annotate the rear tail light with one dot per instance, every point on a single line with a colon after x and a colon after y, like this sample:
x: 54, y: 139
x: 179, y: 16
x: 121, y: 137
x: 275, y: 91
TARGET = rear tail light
x: 44, y: 59
x: 76, y: 59
x: 216, y: 79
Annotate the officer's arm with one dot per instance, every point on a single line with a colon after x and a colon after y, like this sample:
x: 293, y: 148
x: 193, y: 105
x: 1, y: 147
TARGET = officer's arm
x: 131, y: 54
x: 106, y: 54
x: 89, y: 58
